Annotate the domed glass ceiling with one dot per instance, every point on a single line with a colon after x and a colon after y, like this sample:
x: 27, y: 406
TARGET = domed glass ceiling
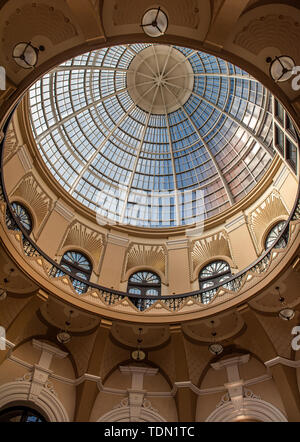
x: 153, y: 135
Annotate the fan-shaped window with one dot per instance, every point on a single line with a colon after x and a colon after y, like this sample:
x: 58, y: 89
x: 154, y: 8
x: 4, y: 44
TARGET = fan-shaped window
x: 79, y: 266
x: 273, y: 235
x: 145, y: 284
x: 21, y: 414
x: 23, y: 217
x: 212, y: 274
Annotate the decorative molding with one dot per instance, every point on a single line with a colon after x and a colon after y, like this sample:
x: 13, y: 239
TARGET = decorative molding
x: 176, y: 244
x: 37, y: 200
x: 46, y: 348
x: 252, y: 408
x: 231, y: 362
x: 11, y: 143
x: 261, y: 218
x: 120, y: 392
x: 117, y: 240
x: 282, y: 361
x: 278, y: 181
x: 154, y: 256
x: 90, y: 241
x: 209, y: 247
x: 235, y: 223
x: 21, y: 390
x: 63, y: 210
x: 25, y: 158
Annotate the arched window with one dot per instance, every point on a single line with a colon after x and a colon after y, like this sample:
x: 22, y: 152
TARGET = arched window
x: 273, y: 234
x: 144, y: 283
x: 23, y: 216
x: 79, y: 266
x: 21, y: 414
x: 212, y: 274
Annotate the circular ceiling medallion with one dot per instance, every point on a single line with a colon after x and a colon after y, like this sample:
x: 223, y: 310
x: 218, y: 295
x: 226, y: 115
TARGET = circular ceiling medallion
x: 160, y: 79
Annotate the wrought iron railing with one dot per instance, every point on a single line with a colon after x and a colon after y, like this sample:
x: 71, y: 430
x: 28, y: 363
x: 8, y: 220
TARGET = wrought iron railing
x: 142, y: 302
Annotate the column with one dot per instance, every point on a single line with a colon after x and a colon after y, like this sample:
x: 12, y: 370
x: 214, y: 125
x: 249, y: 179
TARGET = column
x: 113, y: 260
x: 136, y: 393
x: 178, y: 266
x: 87, y: 392
x: 186, y: 400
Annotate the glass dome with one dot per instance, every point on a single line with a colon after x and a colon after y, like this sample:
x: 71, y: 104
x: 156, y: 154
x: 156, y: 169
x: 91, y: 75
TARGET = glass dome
x: 153, y: 135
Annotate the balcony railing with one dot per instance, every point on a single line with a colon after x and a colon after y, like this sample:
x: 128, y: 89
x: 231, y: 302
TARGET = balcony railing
x: 110, y: 296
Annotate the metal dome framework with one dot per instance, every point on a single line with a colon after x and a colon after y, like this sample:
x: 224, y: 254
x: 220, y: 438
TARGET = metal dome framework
x: 176, y: 150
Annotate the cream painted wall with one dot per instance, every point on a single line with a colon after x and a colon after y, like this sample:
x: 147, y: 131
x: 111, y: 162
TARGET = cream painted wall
x: 178, y: 270
x: 112, y: 266
x: 242, y: 247
x: 52, y: 233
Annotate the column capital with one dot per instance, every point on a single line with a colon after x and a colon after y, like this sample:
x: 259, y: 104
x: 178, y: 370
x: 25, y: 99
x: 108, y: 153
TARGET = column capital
x: 230, y: 362
x: 175, y: 328
x: 117, y: 240
x: 105, y: 323
x: 63, y: 210
x: 176, y: 244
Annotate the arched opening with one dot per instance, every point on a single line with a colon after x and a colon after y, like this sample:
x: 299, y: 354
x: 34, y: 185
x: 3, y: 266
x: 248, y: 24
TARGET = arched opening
x: 144, y: 283
x: 210, y: 275
x: 273, y: 235
x: 79, y: 266
x: 21, y: 414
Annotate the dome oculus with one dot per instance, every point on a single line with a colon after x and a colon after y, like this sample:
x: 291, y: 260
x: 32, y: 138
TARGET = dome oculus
x: 153, y: 135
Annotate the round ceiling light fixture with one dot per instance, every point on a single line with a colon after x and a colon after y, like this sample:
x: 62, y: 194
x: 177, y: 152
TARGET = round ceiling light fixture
x: 155, y: 22
x: 63, y: 336
x: 281, y: 68
x: 286, y: 313
x: 215, y: 348
x: 138, y: 355
x: 26, y: 55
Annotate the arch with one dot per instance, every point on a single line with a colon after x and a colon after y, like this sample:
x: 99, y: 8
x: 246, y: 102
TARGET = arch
x: 269, y: 227
x: 252, y: 408
x: 144, y: 283
x: 17, y: 393
x: 123, y: 414
x: 25, y: 213
x: 207, y: 261
x: 79, y: 265
x: 215, y: 271
x: 271, y: 231
x: 79, y: 249
x: 147, y: 268
x: 23, y: 413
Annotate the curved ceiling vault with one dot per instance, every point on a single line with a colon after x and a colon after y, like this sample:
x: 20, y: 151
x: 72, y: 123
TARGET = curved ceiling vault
x: 153, y: 135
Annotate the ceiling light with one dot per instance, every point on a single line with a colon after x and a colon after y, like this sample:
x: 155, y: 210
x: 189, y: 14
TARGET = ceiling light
x: 281, y: 68
x: 138, y: 354
x: 215, y: 348
x: 286, y: 313
x: 64, y: 336
x: 26, y: 55
x: 154, y: 22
